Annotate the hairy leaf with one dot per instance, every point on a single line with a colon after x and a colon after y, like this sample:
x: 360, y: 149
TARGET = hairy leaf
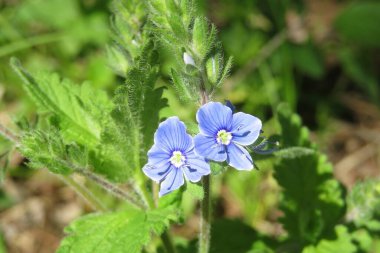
x: 124, y: 231
x: 48, y: 150
x: 78, y: 109
x: 135, y: 117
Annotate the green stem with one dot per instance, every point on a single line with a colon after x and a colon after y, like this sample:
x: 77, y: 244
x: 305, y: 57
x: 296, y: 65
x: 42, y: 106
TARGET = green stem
x: 168, y: 242
x: 29, y: 42
x: 152, y: 203
x: 85, y: 194
x: 7, y: 134
x: 204, y: 238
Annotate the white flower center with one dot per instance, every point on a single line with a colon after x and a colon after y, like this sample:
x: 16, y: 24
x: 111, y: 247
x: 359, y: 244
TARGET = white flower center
x: 177, y: 159
x: 223, y: 137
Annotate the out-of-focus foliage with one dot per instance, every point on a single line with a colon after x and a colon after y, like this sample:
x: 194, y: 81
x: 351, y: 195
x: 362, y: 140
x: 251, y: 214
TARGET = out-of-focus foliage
x: 364, y: 205
x: 281, y: 53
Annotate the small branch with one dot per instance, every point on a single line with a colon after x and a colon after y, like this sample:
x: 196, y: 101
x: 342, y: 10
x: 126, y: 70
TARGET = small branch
x: 84, y: 193
x: 262, y: 56
x: 110, y: 187
x: 7, y: 134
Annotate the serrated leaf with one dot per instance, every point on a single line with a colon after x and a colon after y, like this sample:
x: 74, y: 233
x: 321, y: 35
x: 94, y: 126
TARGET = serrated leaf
x: 48, y: 150
x: 134, y: 119
x: 118, y: 232
x: 312, y: 199
x: 77, y: 108
x: 294, y: 134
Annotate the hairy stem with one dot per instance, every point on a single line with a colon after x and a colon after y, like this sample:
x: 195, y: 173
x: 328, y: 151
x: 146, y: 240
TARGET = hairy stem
x: 204, y: 237
x: 167, y: 242
x: 84, y: 193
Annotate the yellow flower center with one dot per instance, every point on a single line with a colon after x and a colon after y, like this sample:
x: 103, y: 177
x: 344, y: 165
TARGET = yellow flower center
x: 223, y: 137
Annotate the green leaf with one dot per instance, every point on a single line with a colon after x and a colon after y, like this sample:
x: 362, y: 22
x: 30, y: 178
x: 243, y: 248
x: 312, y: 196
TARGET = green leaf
x: 217, y: 168
x: 225, y: 71
x: 182, y: 87
x: 294, y: 152
x: 79, y: 109
x: 195, y: 190
x: 201, y: 43
x: 125, y: 231
x: 229, y: 236
x: 343, y: 243
x: 359, y: 22
x: 3, y: 248
x: 355, y: 66
x: 312, y: 200
x: 129, y: 134
x: 128, y: 25
x: 48, y: 150
x: 294, y: 134
x: 308, y: 59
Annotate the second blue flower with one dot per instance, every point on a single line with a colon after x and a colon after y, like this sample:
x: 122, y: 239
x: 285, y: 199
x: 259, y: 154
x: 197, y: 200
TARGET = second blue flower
x: 223, y: 135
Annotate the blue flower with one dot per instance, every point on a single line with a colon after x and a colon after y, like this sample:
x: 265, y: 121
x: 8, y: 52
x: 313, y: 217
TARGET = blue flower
x: 223, y: 135
x: 172, y: 157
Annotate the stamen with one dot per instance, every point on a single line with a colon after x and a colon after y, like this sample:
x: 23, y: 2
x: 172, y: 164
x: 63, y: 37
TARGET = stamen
x: 177, y: 159
x: 223, y: 137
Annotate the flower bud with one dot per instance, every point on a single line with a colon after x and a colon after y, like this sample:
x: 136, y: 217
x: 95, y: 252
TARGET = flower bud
x: 188, y: 59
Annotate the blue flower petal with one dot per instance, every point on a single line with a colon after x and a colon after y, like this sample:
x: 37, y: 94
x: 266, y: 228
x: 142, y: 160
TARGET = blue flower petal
x: 208, y: 147
x: 213, y: 117
x: 158, y: 156
x: 245, y: 128
x: 155, y: 173
x: 196, y: 168
x: 171, y: 136
x: 239, y: 158
x: 172, y: 182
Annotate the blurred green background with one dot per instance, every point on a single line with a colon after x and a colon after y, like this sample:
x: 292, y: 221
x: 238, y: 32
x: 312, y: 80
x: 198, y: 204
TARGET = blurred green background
x: 321, y: 57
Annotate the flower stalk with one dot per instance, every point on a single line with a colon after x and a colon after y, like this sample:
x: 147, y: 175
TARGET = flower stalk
x: 205, y: 224
x: 204, y: 237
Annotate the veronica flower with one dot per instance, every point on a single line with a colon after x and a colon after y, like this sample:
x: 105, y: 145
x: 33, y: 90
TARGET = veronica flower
x: 172, y: 157
x: 223, y: 135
